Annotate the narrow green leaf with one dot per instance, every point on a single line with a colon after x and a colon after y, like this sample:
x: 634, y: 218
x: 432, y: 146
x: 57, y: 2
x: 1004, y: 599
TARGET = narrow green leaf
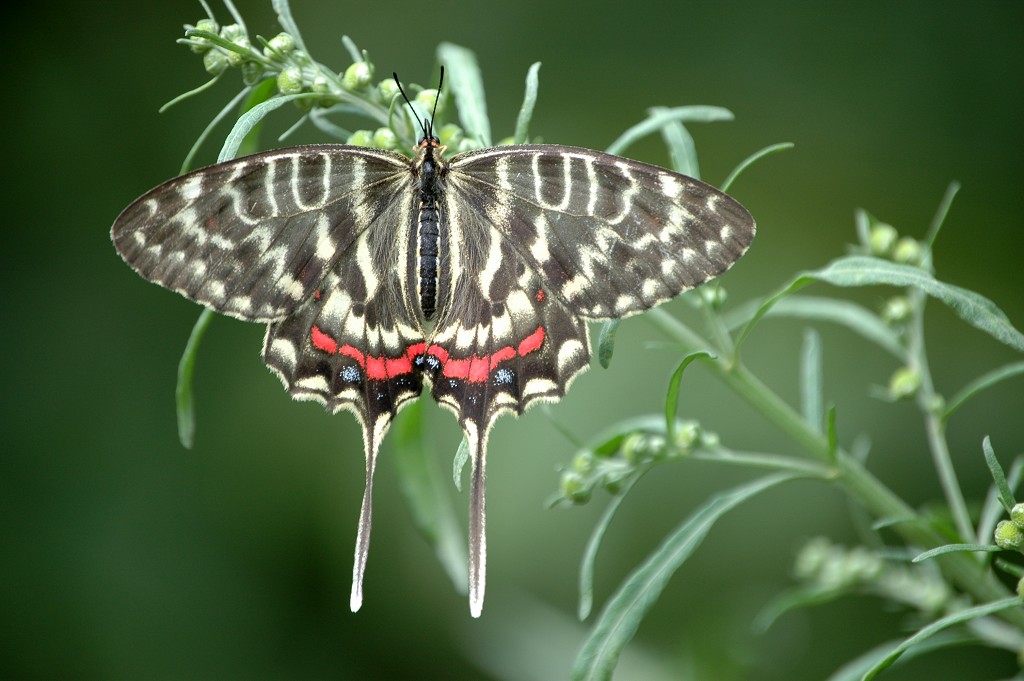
x: 672, y: 397
x: 986, y: 381
x: 856, y: 668
x: 1005, y: 493
x: 183, y: 389
x: 833, y: 437
x: 327, y: 126
x: 459, y: 463
x: 855, y: 317
x: 606, y: 342
x: 812, y: 398
x: 251, y: 118
x: 940, y: 217
x: 468, y: 87
x: 856, y: 270
x: 655, y: 121
x: 354, y: 53
x: 992, y: 511
x: 793, y: 599
x: 954, y: 548
x: 428, y: 503
x: 287, y: 22
x: 594, y: 543
x: 862, y: 220
x: 750, y: 160
x: 237, y: 16
x: 939, y: 625
x: 681, y: 148
x: 973, y: 308
x: 228, y: 109
x: 191, y: 93
x: 522, y: 134
x: 622, y: 615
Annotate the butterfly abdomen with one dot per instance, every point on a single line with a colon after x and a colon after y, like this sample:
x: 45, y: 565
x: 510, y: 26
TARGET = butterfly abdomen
x: 429, y: 234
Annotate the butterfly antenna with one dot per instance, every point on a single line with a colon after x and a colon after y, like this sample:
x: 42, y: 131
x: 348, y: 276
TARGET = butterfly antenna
x: 440, y: 82
x: 426, y: 126
x: 423, y: 123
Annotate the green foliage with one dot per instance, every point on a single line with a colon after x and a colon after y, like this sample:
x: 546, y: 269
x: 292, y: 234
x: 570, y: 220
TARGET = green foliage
x: 950, y: 585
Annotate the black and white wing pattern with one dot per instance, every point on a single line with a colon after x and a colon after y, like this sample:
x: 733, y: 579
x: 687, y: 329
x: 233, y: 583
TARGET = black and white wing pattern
x: 377, y: 273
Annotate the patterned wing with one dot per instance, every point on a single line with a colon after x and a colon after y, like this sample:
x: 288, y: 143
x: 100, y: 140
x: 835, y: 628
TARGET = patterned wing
x: 501, y: 342
x: 354, y: 345
x: 610, y: 236
x: 254, y: 237
x: 545, y: 235
x: 310, y: 239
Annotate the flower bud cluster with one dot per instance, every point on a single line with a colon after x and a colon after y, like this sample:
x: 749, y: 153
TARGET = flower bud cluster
x: 834, y: 569
x: 611, y: 464
x: 1009, y: 534
x: 281, y: 58
x: 885, y: 242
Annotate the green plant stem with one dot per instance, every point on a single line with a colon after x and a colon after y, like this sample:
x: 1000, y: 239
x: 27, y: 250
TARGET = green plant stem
x: 929, y: 402
x: 963, y: 569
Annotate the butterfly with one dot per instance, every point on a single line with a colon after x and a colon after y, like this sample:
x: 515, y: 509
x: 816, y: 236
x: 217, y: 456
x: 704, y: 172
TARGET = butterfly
x: 377, y: 274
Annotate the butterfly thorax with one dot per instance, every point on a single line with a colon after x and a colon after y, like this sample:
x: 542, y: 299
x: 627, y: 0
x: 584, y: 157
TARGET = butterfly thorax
x: 428, y: 223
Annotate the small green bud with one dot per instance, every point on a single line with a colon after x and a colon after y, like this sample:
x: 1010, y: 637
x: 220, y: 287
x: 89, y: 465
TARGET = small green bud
x: 583, y: 462
x: 282, y: 43
x: 215, y: 61
x: 812, y: 557
x: 714, y: 296
x: 238, y: 58
x: 450, y: 134
x: 882, y: 238
x: 361, y: 138
x: 903, y: 383
x: 506, y: 141
x: 208, y: 25
x: 387, y: 90
x: 613, y: 485
x: 252, y: 72
x: 896, y: 310
x: 202, y: 45
x: 907, y: 251
x: 1017, y: 515
x: 357, y: 76
x: 631, y: 444
x: 687, y: 435
x: 321, y: 85
x: 1020, y: 587
x: 289, y: 81
x: 385, y: 138
x: 639, y: 446
x: 710, y: 440
x: 1009, y: 536
x: 426, y: 99
x: 233, y: 33
x: 574, y: 488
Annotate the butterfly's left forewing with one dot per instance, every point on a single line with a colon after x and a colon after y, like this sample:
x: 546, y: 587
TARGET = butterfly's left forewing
x: 253, y: 237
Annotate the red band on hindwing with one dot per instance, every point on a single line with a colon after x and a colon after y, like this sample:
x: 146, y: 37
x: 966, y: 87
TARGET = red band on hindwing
x: 474, y: 369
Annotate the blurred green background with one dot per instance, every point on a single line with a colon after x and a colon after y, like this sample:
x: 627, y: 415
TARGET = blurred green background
x: 127, y: 557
